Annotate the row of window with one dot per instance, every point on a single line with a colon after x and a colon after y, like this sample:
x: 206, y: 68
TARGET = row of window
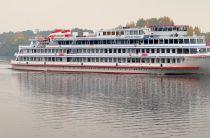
x: 117, y: 51
x: 131, y: 41
x: 127, y: 32
x: 103, y: 60
x: 172, y: 28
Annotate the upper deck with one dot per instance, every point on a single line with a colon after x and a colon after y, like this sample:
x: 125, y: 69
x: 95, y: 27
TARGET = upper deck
x: 169, y: 30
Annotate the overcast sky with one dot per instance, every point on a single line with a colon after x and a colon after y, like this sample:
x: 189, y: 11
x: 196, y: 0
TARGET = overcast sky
x: 18, y: 15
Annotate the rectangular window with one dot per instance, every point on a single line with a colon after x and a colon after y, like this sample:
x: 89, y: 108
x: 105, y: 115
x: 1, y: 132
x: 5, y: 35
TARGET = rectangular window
x: 123, y: 50
x: 193, y: 51
x: 150, y: 41
x: 171, y: 41
x: 186, y: 51
x: 165, y: 41
x: 167, y: 50
x: 181, y: 41
x: 186, y: 41
x: 110, y: 50
x: 193, y: 41
x: 173, y: 50
x: 168, y: 60
x: 179, y: 51
x: 155, y: 41
x: 119, y: 50
x: 175, y: 41
x: 145, y: 41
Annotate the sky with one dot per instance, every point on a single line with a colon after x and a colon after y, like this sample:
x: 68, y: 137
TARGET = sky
x: 19, y: 15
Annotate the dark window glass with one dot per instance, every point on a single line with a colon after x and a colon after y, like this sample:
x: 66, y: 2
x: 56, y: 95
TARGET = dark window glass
x: 173, y: 50
x: 186, y: 51
x: 123, y: 50
x: 171, y: 41
x: 155, y: 41
x: 165, y: 41
x: 150, y: 41
x: 193, y: 51
x: 180, y: 41
x: 161, y: 41
x: 186, y: 41
x: 179, y: 51
x: 131, y: 41
x: 145, y: 41
x: 175, y: 41
x: 193, y: 41
x: 168, y: 50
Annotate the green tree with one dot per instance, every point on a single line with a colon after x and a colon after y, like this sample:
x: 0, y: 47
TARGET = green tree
x: 140, y: 23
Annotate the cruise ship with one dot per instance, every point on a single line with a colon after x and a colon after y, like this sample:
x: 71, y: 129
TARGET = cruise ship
x: 164, y: 49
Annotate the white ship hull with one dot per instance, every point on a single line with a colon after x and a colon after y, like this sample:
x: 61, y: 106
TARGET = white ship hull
x: 199, y: 64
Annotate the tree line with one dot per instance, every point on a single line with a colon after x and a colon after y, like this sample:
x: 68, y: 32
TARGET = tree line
x: 9, y: 41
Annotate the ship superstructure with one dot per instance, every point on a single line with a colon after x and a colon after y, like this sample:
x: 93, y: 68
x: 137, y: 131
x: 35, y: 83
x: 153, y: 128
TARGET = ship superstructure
x: 156, y: 50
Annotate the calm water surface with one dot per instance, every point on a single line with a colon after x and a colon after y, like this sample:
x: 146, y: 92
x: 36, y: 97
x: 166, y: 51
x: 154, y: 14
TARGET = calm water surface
x: 41, y: 105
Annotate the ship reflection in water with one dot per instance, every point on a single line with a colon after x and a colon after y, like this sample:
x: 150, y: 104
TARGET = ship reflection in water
x: 97, y: 105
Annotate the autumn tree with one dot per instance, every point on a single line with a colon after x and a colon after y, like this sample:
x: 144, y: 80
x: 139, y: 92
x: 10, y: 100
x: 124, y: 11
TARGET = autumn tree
x: 190, y: 31
x: 165, y: 21
x: 197, y: 31
x: 131, y: 24
x: 152, y: 21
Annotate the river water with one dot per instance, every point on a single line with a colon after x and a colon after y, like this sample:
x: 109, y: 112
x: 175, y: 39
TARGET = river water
x: 41, y: 105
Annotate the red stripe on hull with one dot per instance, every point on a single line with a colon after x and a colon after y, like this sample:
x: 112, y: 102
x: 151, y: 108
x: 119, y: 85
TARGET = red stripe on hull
x: 130, y: 67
